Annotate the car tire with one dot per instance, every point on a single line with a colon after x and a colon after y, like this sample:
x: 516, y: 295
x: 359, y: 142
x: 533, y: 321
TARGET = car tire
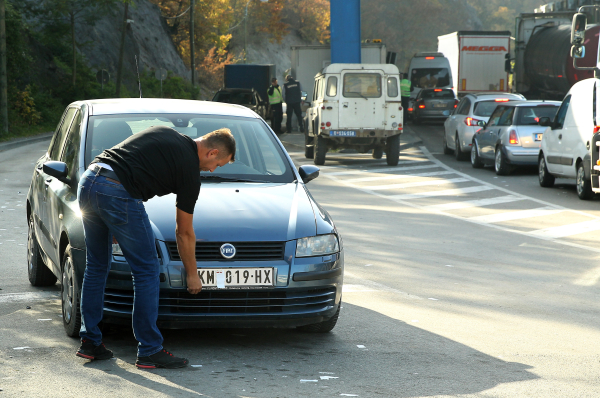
x: 458, y: 153
x: 39, y: 274
x: 447, y: 150
x: 475, y: 159
x: 584, y: 185
x: 70, y: 295
x: 392, y: 150
x: 309, y: 146
x: 500, y: 165
x: 322, y: 327
x: 377, y: 153
x: 545, y: 178
x: 320, y: 149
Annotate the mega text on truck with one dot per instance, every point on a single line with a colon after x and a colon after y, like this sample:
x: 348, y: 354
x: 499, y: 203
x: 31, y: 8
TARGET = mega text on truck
x: 477, y: 60
x: 355, y: 106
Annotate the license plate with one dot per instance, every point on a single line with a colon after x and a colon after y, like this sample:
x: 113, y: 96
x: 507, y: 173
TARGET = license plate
x: 236, y: 277
x: 538, y: 137
x: 336, y: 133
x: 439, y: 105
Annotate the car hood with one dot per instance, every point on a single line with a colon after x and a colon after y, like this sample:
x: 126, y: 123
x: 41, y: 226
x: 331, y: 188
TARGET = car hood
x: 242, y: 212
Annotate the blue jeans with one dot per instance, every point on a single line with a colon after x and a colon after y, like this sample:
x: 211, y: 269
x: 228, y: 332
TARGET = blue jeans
x: 109, y: 210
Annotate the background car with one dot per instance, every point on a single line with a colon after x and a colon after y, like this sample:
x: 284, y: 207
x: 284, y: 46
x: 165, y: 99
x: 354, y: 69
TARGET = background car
x: 244, y: 96
x: 512, y: 135
x: 433, y: 104
x: 463, y: 122
x: 258, y: 205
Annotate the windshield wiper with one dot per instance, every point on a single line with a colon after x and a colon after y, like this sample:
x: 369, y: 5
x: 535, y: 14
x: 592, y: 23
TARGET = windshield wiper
x: 228, y: 179
x: 356, y: 92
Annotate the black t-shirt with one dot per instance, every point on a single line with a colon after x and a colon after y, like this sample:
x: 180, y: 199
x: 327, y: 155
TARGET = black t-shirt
x: 156, y: 162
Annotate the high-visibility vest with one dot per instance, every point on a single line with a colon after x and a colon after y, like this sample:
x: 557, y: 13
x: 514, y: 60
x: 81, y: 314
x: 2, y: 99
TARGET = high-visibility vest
x: 276, y: 97
x: 405, y: 87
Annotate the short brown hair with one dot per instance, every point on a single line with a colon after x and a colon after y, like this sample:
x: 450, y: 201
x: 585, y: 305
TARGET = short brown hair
x: 223, y: 140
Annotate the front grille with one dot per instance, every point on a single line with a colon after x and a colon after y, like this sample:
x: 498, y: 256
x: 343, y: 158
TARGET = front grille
x: 223, y: 302
x: 245, y: 251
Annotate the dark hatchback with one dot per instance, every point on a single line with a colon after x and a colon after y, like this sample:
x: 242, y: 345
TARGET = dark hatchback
x: 243, y: 96
x: 257, y: 208
x: 433, y: 104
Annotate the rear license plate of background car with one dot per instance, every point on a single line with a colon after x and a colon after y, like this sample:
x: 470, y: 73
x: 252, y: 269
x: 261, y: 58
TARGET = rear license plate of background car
x: 439, y: 105
x: 538, y: 137
x: 236, y: 277
x: 336, y: 133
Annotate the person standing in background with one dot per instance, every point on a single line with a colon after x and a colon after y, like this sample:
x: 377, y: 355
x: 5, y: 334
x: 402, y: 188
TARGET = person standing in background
x: 405, y: 93
x: 293, y: 97
x: 276, y: 104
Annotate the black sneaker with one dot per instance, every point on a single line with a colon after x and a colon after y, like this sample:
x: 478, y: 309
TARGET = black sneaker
x: 90, y: 351
x: 162, y: 359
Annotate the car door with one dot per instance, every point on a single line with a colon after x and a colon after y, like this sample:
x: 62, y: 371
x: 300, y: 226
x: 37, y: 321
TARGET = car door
x: 506, y: 120
x: 486, y: 138
x: 49, y: 241
x: 552, y: 141
x: 361, y: 101
x: 456, y: 121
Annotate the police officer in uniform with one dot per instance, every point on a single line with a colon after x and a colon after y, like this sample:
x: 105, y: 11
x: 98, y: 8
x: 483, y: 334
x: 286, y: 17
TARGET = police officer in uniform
x: 293, y: 97
x: 276, y: 104
x: 405, y: 92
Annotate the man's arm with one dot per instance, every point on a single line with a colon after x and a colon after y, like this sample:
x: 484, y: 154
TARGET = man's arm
x: 271, y: 89
x: 186, y: 245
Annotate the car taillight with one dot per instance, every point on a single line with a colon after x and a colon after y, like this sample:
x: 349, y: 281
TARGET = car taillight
x: 512, y: 137
x: 437, y: 89
x: 328, y: 124
x: 455, y: 103
x: 429, y: 57
x: 471, y: 121
x: 596, y: 129
x: 411, y: 109
x: 501, y: 100
x: 421, y: 106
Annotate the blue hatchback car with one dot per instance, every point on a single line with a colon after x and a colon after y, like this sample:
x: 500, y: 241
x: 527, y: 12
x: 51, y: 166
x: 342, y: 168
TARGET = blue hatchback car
x: 255, y: 221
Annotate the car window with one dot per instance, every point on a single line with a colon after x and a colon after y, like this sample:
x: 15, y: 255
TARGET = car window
x: 430, y: 77
x: 71, y: 152
x: 507, y: 116
x: 315, y: 96
x: 258, y: 155
x: 495, y: 117
x: 332, y: 86
x: 392, y: 87
x: 559, y: 120
x: 484, y: 108
x: 530, y: 115
x: 464, y: 107
x: 321, y: 87
x: 358, y: 85
x: 59, y: 137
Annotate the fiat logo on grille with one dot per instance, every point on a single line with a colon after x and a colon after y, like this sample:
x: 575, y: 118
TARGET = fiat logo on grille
x: 227, y: 250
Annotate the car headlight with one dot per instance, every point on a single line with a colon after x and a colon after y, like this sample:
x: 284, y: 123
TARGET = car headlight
x: 317, y: 246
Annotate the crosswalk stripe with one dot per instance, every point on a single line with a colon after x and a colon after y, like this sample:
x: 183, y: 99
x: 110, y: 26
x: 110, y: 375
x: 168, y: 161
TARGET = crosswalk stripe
x: 446, y: 192
x: 516, y: 215
x: 475, y: 203
x: 399, y: 176
x: 567, y: 230
x: 348, y: 172
x: 436, y: 181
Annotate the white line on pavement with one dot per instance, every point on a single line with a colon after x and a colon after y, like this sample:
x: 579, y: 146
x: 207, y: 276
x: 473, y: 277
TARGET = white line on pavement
x: 384, y: 170
x: 446, y: 192
x: 475, y: 203
x: 399, y: 176
x: 568, y: 230
x: 437, y: 181
x: 516, y: 215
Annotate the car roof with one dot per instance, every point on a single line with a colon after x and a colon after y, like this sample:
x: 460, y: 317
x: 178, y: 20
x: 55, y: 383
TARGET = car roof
x: 119, y: 106
x: 485, y: 96
x: 236, y: 90
x: 532, y: 103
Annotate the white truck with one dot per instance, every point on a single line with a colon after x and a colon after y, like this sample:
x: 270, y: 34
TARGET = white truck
x: 355, y: 106
x: 477, y: 60
x: 307, y: 61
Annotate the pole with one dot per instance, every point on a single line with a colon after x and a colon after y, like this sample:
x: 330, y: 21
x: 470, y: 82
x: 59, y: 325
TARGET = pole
x: 3, y: 83
x: 74, y: 49
x: 246, y: 33
x: 192, y: 55
x: 120, y: 64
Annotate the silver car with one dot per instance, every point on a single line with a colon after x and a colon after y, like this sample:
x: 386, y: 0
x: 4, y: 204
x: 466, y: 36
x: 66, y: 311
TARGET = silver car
x: 463, y: 122
x: 434, y: 104
x: 512, y: 136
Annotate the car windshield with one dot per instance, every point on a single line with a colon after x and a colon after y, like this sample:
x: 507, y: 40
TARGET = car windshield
x: 430, y: 77
x: 365, y: 85
x: 530, y: 115
x: 485, y: 108
x: 258, y: 156
x: 437, y: 94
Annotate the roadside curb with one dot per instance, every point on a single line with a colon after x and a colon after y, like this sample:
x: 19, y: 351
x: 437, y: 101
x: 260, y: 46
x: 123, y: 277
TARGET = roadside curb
x: 18, y: 142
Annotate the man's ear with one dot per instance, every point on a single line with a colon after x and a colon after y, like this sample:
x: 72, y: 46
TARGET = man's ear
x: 213, y: 153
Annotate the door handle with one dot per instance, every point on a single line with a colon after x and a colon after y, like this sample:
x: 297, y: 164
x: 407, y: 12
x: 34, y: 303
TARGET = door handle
x: 48, y: 182
x: 587, y: 145
x: 560, y: 136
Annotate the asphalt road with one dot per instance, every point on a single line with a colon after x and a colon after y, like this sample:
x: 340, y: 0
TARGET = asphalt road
x: 457, y: 283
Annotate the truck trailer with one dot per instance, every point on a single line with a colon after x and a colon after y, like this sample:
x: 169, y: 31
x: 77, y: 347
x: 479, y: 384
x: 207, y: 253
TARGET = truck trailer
x: 253, y: 76
x: 477, y: 60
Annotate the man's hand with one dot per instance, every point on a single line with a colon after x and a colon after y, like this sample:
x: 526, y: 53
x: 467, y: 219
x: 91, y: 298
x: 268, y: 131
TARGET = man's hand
x: 194, y: 285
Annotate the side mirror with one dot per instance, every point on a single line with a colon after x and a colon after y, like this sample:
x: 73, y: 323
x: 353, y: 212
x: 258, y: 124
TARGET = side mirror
x: 578, y: 29
x: 481, y: 123
x: 545, y: 122
x: 308, y: 172
x: 58, y: 170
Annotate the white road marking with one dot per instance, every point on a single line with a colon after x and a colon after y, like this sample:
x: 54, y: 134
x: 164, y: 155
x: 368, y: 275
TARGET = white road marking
x: 398, y: 176
x: 384, y: 170
x: 475, y: 203
x: 516, y: 215
x: 446, y: 192
x: 437, y: 181
x: 29, y: 296
x: 567, y: 230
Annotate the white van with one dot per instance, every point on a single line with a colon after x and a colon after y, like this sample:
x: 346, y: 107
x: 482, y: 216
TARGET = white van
x: 429, y: 70
x: 355, y: 106
x: 565, y: 149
